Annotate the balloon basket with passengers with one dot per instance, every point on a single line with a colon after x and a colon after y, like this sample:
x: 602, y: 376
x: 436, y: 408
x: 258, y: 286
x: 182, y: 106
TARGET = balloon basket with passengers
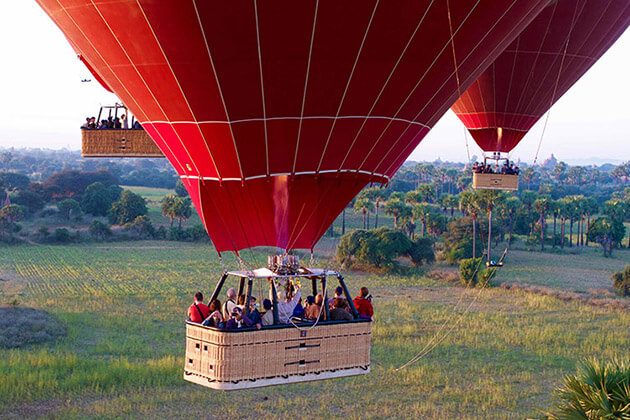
x: 296, y: 351
x: 495, y: 173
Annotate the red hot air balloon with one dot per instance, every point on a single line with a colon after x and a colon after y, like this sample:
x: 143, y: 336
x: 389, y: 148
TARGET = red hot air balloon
x: 276, y: 113
x: 546, y: 59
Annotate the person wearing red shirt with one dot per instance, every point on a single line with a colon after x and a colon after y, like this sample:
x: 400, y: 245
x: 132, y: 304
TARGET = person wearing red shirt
x: 363, y: 304
x: 198, y: 311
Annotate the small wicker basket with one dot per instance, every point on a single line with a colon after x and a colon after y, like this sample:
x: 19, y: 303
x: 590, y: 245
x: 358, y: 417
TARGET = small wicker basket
x: 118, y: 143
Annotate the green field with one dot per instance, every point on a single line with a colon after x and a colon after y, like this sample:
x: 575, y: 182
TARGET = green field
x: 495, y: 353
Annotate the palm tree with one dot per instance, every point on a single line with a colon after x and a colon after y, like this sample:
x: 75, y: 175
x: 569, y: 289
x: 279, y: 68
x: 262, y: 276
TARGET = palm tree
x: 420, y: 213
x: 528, y: 198
x: 397, y: 208
x: 363, y: 205
x: 377, y: 196
x: 555, y: 208
x: 542, y: 207
x: 487, y: 199
x: 468, y: 205
x: 508, y: 209
x: 528, y: 174
x: 590, y: 208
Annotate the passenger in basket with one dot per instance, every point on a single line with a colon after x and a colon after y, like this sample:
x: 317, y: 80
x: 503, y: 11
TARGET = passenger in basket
x: 312, y: 310
x: 298, y: 311
x: 339, y: 295
x: 339, y: 311
x: 287, y: 301
x: 319, y: 303
x: 229, y: 304
x: 240, y: 302
x: 215, y: 319
x: 267, y: 318
x: 364, y: 304
x: 198, y: 311
x: 238, y: 319
x: 254, y: 314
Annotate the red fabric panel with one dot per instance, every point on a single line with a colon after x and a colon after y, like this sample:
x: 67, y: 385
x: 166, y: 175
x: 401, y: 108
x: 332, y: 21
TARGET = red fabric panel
x: 240, y: 93
x: 286, y: 212
x: 534, y: 71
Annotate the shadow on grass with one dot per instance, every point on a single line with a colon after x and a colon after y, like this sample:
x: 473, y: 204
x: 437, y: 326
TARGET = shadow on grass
x: 20, y: 327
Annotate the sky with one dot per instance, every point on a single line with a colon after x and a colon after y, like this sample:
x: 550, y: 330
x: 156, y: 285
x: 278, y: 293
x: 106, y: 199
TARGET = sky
x: 43, y: 101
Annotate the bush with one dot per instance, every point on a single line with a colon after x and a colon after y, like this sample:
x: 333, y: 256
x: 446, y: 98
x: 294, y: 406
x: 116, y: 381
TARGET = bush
x: 599, y: 390
x: 471, y: 271
x: 621, y: 281
x: 379, y: 248
x: 421, y: 252
x: 99, y: 230
x: 141, y: 227
x: 458, y: 240
x: 61, y: 235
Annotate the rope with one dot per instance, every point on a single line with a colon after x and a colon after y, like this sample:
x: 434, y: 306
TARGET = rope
x: 432, y: 344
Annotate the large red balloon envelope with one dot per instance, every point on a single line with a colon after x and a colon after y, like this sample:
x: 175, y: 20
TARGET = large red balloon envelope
x: 547, y: 58
x: 276, y: 113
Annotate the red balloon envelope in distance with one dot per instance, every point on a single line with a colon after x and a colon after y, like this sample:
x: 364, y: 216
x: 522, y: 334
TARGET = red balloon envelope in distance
x: 547, y: 58
x: 276, y: 113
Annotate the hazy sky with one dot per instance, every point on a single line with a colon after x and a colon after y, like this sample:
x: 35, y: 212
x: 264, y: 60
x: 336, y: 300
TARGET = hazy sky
x: 43, y: 101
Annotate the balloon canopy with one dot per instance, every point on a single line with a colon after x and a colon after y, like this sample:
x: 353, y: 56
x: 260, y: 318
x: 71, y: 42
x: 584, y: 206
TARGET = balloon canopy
x: 275, y: 114
x: 540, y: 66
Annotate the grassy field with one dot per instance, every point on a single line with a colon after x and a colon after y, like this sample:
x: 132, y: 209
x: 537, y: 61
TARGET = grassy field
x: 497, y: 353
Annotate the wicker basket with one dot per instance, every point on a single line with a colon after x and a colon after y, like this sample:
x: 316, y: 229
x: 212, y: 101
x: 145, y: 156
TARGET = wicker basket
x: 118, y: 143
x: 275, y: 355
x: 495, y: 182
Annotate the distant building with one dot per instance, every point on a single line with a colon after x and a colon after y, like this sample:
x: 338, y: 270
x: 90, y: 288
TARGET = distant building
x: 550, y: 163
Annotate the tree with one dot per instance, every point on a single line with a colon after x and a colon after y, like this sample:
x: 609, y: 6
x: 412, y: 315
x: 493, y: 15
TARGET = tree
x: 397, y: 209
x: 377, y: 196
x: 142, y: 227
x: 363, y: 205
x: 508, y: 210
x: 180, y: 189
x: 468, y: 204
x: 13, y: 181
x: 73, y: 183
x: 99, y: 230
x: 527, y: 175
x: 380, y: 247
x: 31, y: 201
x: 98, y: 198
x: 69, y: 208
x: 488, y: 199
x: 542, y: 206
x: 127, y: 208
x: 528, y: 198
x: 607, y: 232
x: 621, y: 281
x: 9, y: 216
x: 174, y: 207
x: 183, y: 210
x: 559, y: 172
